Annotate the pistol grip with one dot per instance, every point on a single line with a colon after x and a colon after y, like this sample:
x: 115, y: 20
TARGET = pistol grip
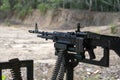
x: 91, y: 53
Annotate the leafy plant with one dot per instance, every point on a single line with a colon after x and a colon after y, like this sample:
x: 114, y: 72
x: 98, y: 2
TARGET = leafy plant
x: 113, y: 29
x: 23, y: 7
x: 43, y: 7
x: 5, y: 6
x: 22, y: 12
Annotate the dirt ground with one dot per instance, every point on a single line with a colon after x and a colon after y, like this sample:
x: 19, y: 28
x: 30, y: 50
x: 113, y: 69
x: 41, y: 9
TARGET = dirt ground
x: 16, y: 42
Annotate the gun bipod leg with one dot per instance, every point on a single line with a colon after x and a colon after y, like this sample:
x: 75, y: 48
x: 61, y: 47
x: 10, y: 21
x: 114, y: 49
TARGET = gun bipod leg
x: 70, y: 63
x: 69, y: 73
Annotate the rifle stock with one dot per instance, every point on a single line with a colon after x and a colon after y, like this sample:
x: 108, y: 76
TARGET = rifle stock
x: 115, y: 46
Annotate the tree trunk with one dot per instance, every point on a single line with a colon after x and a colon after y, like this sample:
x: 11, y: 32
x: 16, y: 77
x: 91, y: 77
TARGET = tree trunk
x: 118, y: 4
x: 90, y: 5
x: 35, y: 4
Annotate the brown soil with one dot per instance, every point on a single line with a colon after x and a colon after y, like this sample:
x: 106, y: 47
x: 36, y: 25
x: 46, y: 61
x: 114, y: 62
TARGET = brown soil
x: 65, y: 19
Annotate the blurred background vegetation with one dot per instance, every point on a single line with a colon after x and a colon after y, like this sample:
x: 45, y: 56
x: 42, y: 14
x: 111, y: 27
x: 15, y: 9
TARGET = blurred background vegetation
x: 23, y: 7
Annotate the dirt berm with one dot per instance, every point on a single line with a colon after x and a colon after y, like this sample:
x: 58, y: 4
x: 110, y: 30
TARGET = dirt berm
x: 67, y: 19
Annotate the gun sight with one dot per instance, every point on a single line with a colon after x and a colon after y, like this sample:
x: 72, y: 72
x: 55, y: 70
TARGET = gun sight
x: 35, y: 30
x: 78, y: 27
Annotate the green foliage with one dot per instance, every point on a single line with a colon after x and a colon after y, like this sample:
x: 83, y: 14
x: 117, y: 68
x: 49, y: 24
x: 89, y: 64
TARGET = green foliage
x: 4, y: 77
x: 24, y: 12
x: 50, y: 4
x: 23, y: 7
x: 96, y: 5
x: 18, y: 7
x: 5, y: 6
x: 43, y: 7
x: 113, y: 29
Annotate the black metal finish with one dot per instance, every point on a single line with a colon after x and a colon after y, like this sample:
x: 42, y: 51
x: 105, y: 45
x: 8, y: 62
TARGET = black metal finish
x: 57, y: 65
x: 15, y: 69
x: 71, y: 62
x: 65, y: 62
x: 78, y: 27
x: 77, y: 43
x: 69, y: 73
x: 25, y: 63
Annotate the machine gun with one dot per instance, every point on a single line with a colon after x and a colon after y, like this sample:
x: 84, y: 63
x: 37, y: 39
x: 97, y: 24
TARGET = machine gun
x: 70, y: 47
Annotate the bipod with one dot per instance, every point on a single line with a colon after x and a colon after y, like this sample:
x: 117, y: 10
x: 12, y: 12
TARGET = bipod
x: 70, y: 63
